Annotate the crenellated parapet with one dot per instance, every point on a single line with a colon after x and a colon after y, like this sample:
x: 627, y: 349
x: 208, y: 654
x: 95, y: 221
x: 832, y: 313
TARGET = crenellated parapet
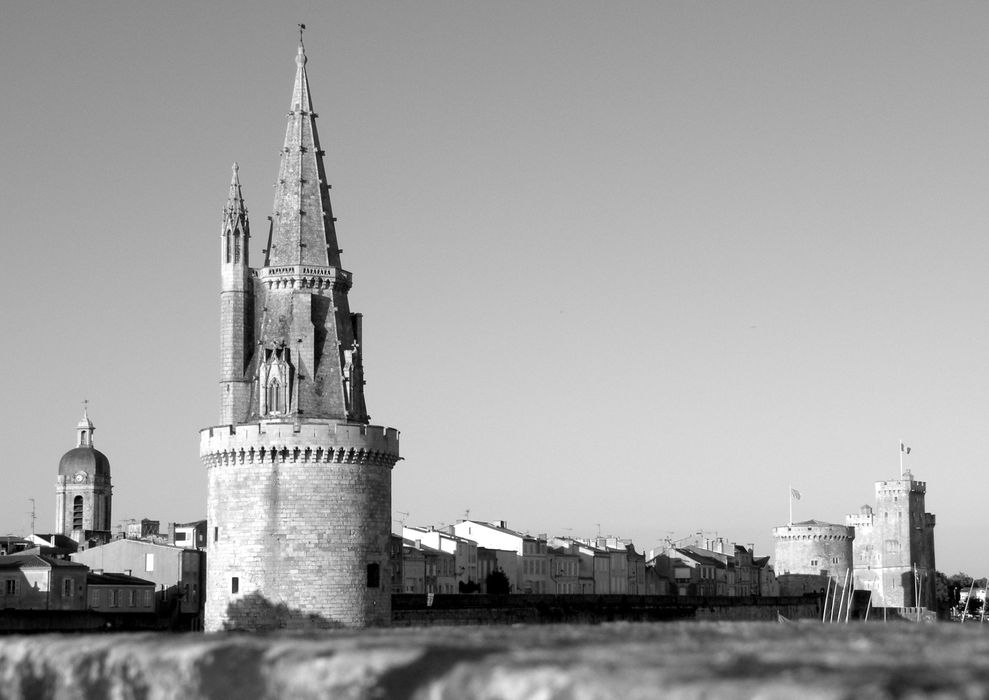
x: 895, y: 487
x: 270, y: 442
x: 317, y: 279
x: 819, y: 533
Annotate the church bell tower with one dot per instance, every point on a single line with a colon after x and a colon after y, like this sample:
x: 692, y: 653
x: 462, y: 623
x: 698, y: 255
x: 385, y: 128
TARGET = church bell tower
x: 299, y: 503
x: 83, y: 490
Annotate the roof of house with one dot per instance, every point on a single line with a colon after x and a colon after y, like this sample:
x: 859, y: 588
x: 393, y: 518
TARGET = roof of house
x: 424, y: 548
x: 9, y: 539
x: 705, y: 556
x: 56, y: 540
x: 499, y: 528
x: 33, y: 561
x: 115, y: 579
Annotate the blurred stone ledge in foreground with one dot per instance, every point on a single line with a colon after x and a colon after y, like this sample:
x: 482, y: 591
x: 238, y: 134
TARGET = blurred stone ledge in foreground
x: 673, y: 660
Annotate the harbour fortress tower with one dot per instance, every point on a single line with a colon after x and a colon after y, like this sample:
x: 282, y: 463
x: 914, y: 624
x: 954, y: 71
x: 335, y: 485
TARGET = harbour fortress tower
x: 299, y: 502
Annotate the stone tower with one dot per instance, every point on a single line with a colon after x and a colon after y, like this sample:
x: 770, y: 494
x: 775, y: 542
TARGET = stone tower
x: 814, y: 548
x: 812, y: 555
x: 83, y: 490
x: 894, y: 545
x: 299, y: 503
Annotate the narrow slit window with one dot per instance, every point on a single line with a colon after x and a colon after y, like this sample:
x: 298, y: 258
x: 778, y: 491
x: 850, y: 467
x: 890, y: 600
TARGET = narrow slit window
x: 77, y: 513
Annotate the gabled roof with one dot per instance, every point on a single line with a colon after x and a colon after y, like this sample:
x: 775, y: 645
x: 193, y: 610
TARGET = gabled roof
x: 115, y: 579
x: 194, y: 523
x: 499, y: 528
x: 705, y: 556
x: 35, y: 561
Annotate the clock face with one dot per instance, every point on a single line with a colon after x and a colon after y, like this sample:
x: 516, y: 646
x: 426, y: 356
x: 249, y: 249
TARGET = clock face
x: 80, y: 477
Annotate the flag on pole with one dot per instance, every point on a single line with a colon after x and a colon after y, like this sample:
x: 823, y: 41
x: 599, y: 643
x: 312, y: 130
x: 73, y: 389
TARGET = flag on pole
x: 904, y: 449
x: 795, y: 493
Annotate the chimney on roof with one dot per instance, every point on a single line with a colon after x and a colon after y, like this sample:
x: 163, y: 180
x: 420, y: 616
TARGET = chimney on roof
x: 500, y: 523
x: 128, y: 571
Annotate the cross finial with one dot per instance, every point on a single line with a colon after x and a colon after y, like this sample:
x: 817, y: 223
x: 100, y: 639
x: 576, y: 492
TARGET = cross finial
x: 302, y: 28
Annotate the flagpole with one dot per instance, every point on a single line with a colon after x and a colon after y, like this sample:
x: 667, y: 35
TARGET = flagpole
x: 901, y: 459
x: 790, y: 492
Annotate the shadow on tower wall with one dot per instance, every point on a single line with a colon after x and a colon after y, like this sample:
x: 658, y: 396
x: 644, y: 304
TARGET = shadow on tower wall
x: 255, y: 613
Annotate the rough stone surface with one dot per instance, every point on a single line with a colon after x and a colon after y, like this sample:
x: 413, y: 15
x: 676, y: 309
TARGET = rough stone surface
x: 301, y: 511
x: 814, y: 547
x: 627, y: 661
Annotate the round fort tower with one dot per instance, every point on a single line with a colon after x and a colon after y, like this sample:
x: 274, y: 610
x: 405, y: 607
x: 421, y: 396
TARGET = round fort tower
x: 299, y: 500
x: 813, y: 547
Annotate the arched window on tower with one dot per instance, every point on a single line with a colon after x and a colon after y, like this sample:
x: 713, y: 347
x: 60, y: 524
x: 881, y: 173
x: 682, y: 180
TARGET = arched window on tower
x: 236, y: 247
x: 77, y: 513
x: 274, y: 397
x: 226, y: 245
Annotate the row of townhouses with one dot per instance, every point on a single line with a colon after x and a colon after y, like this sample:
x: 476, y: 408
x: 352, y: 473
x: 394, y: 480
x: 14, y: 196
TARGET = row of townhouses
x: 121, y: 577
x: 473, y: 556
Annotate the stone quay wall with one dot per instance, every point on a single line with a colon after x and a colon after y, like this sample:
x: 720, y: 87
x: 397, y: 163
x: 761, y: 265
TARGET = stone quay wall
x: 414, y: 610
x: 677, y: 660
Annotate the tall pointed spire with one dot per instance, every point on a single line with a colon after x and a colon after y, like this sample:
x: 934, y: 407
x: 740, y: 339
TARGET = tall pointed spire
x: 302, y: 230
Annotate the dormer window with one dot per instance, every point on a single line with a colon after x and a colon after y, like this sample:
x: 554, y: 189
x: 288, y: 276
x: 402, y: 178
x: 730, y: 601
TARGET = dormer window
x: 275, y: 379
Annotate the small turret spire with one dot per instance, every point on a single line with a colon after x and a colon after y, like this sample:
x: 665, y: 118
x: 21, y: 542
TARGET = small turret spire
x: 235, y: 200
x: 235, y: 230
x: 85, y: 427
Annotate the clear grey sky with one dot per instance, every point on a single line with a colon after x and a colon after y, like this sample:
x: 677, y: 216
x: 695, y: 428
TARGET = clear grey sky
x: 636, y: 264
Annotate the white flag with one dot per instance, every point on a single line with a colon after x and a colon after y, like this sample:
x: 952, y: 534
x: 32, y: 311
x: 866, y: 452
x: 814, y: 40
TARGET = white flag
x: 795, y: 493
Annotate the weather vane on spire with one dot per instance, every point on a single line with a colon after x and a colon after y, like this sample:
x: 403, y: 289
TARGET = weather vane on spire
x: 302, y: 28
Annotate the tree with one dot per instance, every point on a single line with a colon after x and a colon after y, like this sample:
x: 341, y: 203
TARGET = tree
x: 497, y: 583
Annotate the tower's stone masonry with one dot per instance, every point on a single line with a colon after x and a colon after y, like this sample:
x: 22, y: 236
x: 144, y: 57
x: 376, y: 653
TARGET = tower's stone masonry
x: 814, y: 547
x: 812, y: 555
x: 894, y: 545
x: 299, y: 503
